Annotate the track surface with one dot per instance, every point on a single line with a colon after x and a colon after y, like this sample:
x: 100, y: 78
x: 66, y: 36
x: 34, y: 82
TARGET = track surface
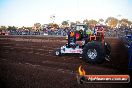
x: 29, y: 62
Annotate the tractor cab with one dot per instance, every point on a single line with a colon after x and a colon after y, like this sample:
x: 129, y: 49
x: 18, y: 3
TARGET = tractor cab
x: 81, y: 27
x: 76, y: 36
x: 81, y: 31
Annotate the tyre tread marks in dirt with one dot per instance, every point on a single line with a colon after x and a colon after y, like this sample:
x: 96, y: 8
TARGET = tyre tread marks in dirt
x: 100, y: 52
x: 107, y: 49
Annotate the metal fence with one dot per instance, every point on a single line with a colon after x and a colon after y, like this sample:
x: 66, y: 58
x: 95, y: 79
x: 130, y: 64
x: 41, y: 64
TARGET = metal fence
x: 62, y: 32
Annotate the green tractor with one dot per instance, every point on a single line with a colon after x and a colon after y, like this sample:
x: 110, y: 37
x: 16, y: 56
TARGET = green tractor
x: 90, y: 44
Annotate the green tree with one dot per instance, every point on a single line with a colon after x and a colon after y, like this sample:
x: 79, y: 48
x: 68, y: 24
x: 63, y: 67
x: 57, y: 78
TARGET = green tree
x: 78, y: 22
x: 65, y: 24
x: 100, y: 20
x: 111, y: 22
x: 92, y: 23
x: 37, y: 26
x: 53, y: 25
x: 3, y: 28
x: 72, y: 24
x: 86, y: 22
x: 125, y: 23
x: 12, y: 28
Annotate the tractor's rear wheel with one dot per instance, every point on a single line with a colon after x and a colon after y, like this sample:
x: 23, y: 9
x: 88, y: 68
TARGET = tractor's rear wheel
x: 93, y: 52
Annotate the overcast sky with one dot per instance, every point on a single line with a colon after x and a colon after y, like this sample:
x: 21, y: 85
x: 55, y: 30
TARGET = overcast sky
x: 28, y: 12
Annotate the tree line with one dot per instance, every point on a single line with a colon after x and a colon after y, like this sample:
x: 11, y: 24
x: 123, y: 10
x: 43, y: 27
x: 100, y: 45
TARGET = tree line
x: 110, y: 22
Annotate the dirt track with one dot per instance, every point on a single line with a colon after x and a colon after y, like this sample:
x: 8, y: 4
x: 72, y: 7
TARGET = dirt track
x: 29, y: 62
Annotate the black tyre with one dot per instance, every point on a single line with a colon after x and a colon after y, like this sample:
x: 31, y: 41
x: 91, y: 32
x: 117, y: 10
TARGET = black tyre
x: 58, y: 52
x: 93, y: 52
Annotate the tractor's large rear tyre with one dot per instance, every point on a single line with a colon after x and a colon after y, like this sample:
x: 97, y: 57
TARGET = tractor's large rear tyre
x: 93, y: 52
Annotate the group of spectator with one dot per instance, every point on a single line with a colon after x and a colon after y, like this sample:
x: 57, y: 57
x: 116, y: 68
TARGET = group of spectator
x: 44, y: 31
x: 117, y: 32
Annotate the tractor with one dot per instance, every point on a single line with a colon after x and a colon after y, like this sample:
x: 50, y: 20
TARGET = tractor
x: 89, y: 44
